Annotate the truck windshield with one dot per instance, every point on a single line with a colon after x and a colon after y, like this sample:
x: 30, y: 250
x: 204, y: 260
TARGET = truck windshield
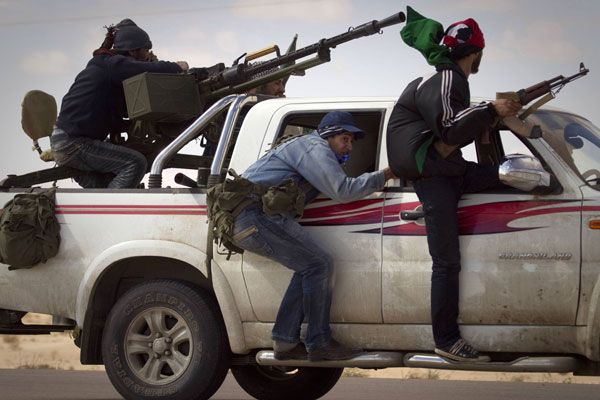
x: 575, y: 139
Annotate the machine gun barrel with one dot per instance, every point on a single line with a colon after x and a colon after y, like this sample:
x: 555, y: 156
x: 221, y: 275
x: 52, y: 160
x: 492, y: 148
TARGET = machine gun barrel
x: 366, y: 29
x: 241, y: 73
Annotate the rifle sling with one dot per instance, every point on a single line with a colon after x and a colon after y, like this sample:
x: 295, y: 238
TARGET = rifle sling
x: 549, y: 96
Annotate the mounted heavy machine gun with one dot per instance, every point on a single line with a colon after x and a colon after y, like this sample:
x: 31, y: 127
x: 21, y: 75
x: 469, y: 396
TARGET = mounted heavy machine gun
x: 161, y: 106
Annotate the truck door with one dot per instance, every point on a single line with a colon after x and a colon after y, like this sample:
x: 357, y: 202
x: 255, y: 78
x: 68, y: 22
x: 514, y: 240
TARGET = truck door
x: 578, y: 144
x: 590, y: 237
x: 350, y: 231
x: 519, y: 250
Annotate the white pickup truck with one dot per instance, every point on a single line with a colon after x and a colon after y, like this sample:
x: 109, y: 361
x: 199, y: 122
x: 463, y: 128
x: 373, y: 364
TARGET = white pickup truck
x: 140, y: 281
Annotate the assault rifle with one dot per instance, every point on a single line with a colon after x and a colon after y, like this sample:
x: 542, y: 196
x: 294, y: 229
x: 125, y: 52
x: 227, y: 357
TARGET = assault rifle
x: 548, y: 89
x: 161, y: 105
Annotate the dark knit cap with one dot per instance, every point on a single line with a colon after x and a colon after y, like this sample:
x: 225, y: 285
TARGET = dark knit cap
x: 463, y: 38
x: 129, y: 36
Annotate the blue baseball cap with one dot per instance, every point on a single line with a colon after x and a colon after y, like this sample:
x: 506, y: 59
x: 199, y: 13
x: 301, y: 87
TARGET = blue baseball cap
x: 336, y: 122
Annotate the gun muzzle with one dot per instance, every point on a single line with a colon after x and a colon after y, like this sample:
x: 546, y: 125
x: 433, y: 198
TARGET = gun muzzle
x: 185, y: 180
x: 372, y: 27
x: 391, y: 20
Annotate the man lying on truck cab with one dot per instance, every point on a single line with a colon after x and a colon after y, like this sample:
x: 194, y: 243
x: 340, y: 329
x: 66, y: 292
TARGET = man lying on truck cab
x: 94, y: 107
x: 315, y: 163
x: 274, y: 88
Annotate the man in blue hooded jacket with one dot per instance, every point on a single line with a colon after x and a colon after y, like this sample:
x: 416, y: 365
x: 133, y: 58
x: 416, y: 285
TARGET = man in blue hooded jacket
x: 94, y: 107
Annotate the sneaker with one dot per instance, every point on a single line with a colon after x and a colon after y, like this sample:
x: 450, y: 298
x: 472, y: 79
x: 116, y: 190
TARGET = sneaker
x: 334, y: 351
x: 297, y: 352
x: 461, y: 351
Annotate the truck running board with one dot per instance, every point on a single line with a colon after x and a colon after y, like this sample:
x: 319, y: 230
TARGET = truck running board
x: 390, y: 359
x: 383, y: 359
x: 23, y: 329
x: 522, y: 364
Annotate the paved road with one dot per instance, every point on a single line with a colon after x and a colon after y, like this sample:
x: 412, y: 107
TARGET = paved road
x: 40, y: 384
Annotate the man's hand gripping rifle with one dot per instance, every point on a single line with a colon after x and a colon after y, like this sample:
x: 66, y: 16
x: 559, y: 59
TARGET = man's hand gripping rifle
x: 548, y: 89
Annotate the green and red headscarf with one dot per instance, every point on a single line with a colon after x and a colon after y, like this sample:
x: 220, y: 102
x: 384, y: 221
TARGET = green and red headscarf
x: 441, y: 46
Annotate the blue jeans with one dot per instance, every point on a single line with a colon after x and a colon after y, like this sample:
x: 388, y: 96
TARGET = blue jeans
x: 439, y: 196
x: 309, y: 293
x: 109, y: 165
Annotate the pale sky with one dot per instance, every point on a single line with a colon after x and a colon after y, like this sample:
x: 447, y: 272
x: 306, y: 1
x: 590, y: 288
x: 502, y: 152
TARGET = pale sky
x: 45, y: 43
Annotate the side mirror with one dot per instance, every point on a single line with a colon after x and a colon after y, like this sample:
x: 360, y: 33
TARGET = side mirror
x: 523, y: 172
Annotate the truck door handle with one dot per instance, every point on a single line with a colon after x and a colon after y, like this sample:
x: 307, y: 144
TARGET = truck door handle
x: 411, y: 215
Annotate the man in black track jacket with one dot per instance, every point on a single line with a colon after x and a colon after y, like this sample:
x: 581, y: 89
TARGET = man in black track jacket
x: 432, y: 115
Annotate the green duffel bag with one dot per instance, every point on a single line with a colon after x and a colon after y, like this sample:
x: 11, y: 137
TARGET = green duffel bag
x: 29, y: 230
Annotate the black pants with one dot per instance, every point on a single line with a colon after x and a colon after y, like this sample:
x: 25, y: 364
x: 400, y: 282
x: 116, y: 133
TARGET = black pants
x: 440, y: 196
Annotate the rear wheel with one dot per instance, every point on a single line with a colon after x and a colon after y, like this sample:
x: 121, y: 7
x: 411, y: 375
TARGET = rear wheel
x: 165, y: 339
x: 276, y: 383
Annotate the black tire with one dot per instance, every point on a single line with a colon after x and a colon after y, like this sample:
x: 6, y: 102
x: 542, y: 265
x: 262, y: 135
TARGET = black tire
x: 165, y: 339
x: 276, y: 383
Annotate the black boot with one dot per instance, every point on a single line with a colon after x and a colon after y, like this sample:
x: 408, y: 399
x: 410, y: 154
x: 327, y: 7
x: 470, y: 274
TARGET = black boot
x: 334, y: 351
x: 297, y: 352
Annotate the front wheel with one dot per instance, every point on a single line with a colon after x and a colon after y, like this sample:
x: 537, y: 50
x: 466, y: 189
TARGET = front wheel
x: 276, y: 383
x: 165, y: 340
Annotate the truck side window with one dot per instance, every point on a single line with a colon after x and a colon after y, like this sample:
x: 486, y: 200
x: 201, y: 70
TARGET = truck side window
x: 470, y: 152
x: 363, y: 157
x: 512, y: 144
x: 490, y: 150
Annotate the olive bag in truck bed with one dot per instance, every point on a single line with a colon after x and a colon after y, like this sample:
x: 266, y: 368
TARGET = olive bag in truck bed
x: 29, y: 230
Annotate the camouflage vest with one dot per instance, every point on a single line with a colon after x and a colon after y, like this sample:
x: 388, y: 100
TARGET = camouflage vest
x: 227, y: 200
x: 29, y: 230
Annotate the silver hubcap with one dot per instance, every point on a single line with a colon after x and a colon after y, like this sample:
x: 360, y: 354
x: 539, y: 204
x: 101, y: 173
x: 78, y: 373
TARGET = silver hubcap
x: 158, y: 346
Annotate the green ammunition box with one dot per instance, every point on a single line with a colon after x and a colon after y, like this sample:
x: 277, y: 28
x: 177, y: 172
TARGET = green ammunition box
x: 162, y: 97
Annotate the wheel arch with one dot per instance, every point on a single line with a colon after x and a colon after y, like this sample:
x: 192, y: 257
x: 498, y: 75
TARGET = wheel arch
x: 121, y: 267
x: 229, y: 310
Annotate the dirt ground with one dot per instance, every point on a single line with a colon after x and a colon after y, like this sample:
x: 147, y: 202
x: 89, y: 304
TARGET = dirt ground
x: 57, y: 351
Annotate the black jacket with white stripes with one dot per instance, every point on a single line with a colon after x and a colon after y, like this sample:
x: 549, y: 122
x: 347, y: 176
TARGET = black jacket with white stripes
x: 431, y: 107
